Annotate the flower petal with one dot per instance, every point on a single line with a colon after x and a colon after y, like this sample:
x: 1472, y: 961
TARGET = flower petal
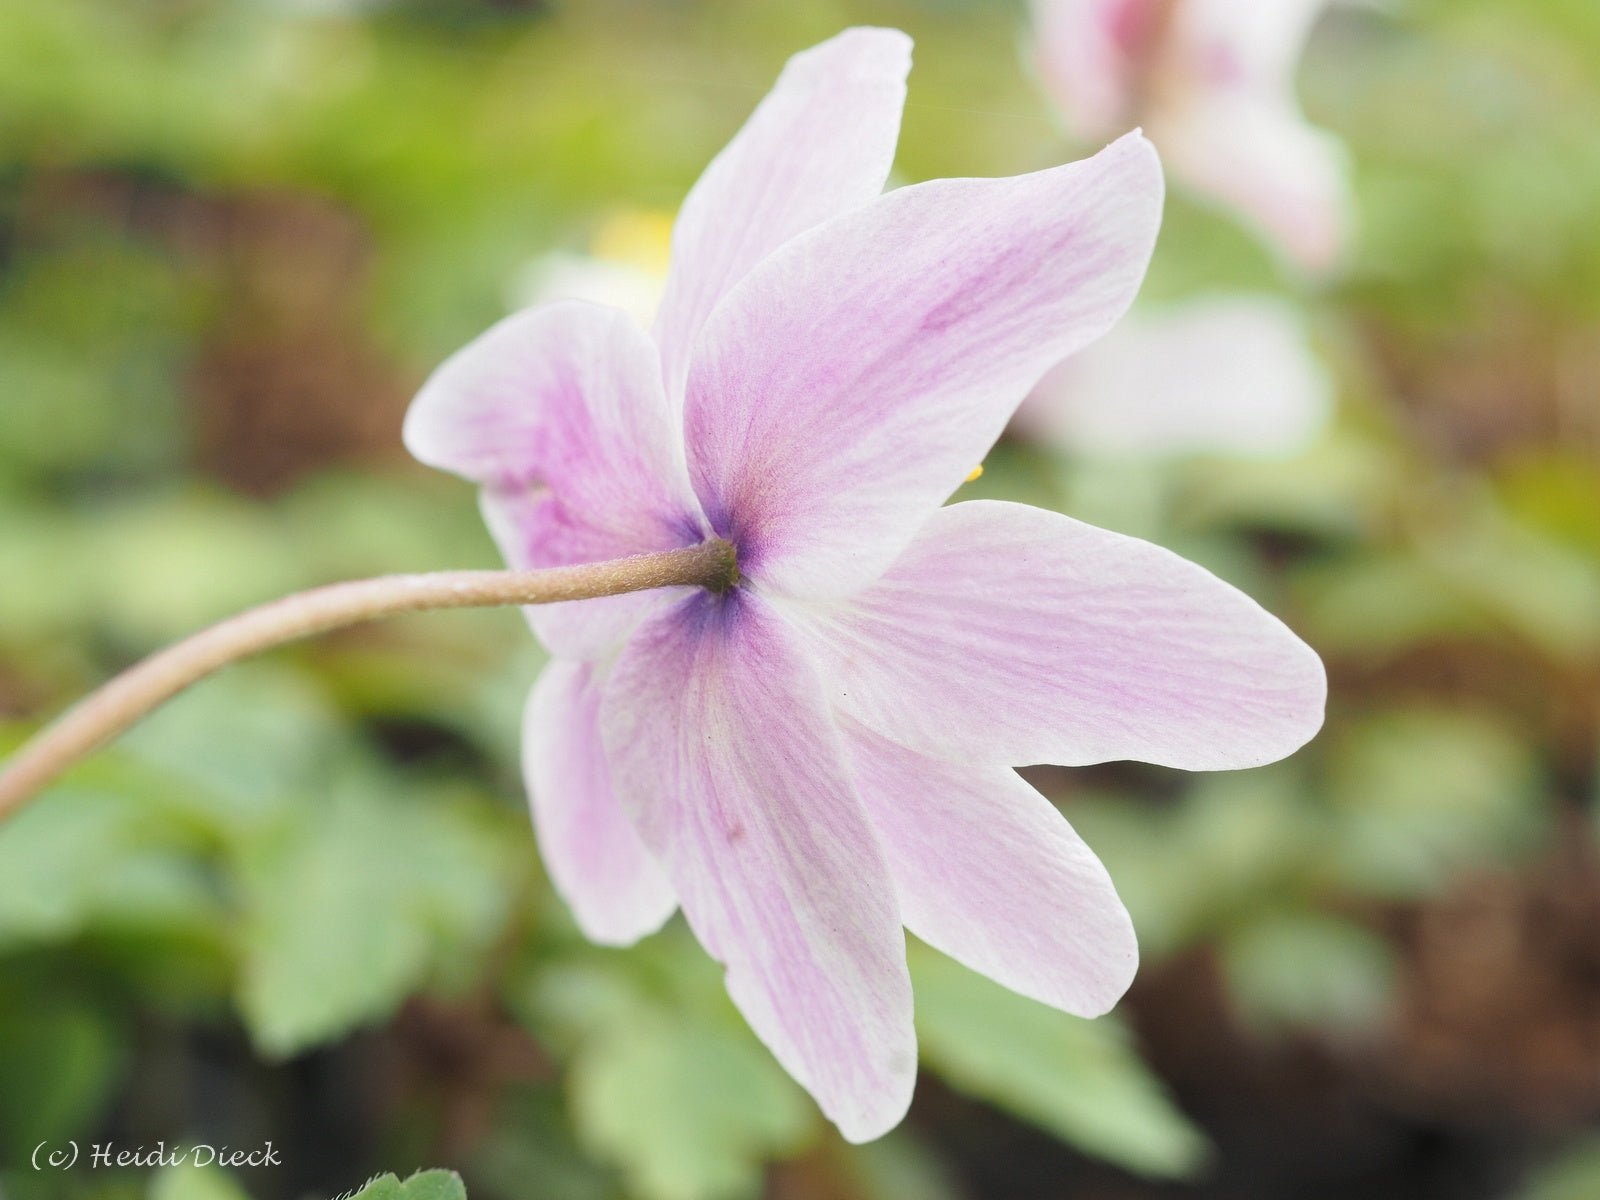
x: 1009, y: 634
x: 616, y: 891
x: 1232, y: 129
x: 559, y: 413
x: 989, y: 872
x: 1230, y: 375
x: 854, y: 379
x: 821, y: 142
x: 1260, y: 158
x: 1243, y: 43
x: 1090, y: 55
x: 725, y: 756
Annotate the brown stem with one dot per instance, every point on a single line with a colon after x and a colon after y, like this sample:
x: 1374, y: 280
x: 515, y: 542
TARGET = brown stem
x: 122, y: 701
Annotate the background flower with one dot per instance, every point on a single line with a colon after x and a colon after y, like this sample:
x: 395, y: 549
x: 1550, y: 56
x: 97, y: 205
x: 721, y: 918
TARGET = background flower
x: 1212, y: 82
x: 1231, y: 375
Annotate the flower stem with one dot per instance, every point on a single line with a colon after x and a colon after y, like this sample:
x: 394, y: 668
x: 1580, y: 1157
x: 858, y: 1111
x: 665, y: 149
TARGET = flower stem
x: 122, y: 701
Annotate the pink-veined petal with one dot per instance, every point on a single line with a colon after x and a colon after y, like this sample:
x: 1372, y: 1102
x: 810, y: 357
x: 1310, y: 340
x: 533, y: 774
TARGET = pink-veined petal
x: 559, y: 413
x: 727, y: 759
x: 822, y: 141
x: 1010, y: 634
x: 594, y: 856
x: 1229, y: 375
x: 989, y: 872
x: 856, y: 377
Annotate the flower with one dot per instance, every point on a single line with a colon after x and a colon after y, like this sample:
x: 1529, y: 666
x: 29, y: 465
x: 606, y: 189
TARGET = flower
x: 820, y: 753
x: 1227, y: 375
x: 625, y: 266
x: 1213, y: 83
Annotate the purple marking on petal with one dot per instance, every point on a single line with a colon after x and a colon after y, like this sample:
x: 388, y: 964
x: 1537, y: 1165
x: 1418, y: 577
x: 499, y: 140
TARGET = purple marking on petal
x: 854, y: 379
x: 560, y: 414
x: 725, y: 755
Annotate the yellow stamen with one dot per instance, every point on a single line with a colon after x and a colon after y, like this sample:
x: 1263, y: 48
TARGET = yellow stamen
x: 974, y: 473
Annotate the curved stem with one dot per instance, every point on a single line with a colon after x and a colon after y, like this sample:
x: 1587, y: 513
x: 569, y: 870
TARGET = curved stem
x: 119, y: 703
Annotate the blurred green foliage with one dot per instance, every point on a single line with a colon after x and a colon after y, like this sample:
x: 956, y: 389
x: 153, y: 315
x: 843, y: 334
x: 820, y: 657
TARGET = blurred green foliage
x: 234, y: 233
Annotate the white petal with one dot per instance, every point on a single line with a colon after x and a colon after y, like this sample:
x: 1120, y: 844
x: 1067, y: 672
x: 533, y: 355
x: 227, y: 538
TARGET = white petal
x: 989, y: 872
x: 821, y: 142
x: 616, y: 891
x: 856, y: 377
x: 1232, y: 375
x: 1012, y: 635
x: 725, y: 755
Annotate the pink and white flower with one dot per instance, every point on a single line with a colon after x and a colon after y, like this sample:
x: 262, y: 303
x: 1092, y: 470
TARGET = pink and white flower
x: 821, y: 754
x: 1212, y: 82
x: 1230, y: 375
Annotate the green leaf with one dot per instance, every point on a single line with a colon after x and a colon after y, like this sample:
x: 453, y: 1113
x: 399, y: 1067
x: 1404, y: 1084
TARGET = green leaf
x: 664, y: 1079
x: 1081, y: 1080
x: 424, y: 1185
x: 1184, y: 871
x: 54, y: 855
x: 59, y: 1058
x: 433, y: 1185
x: 1308, y: 970
x: 187, y: 1182
x: 350, y: 910
x: 690, y: 1112
x: 1575, y: 1175
x: 1417, y: 794
x: 91, y: 854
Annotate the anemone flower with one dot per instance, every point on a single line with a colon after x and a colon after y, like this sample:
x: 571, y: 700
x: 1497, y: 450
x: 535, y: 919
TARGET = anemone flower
x: 1229, y: 375
x: 1212, y: 81
x: 818, y: 752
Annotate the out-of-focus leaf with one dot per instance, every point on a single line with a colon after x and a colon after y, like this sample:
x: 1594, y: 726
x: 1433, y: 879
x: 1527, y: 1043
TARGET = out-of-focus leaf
x: 1575, y: 1175
x: 1533, y: 584
x: 1081, y: 1080
x: 1233, y: 841
x: 899, y: 1167
x: 664, y: 1080
x: 58, y: 1061
x: 82, y: 854
x: 349, y: 911
x: 532, y: 1138
x: 169, y: 565
x: 188, y: 1182
x: 1558, y: 493
x: 1371, y: 608
x: 1419, y: 793
x: 1306, y: 970
x: 250, y: 744
x: 1331, y: 490
x: 690, y: 1112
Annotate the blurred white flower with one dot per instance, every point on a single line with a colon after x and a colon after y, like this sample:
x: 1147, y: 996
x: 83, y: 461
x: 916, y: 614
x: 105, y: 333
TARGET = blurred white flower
x: 625, y: 267
x: 1212, y: 82
x: 1222, y: 375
